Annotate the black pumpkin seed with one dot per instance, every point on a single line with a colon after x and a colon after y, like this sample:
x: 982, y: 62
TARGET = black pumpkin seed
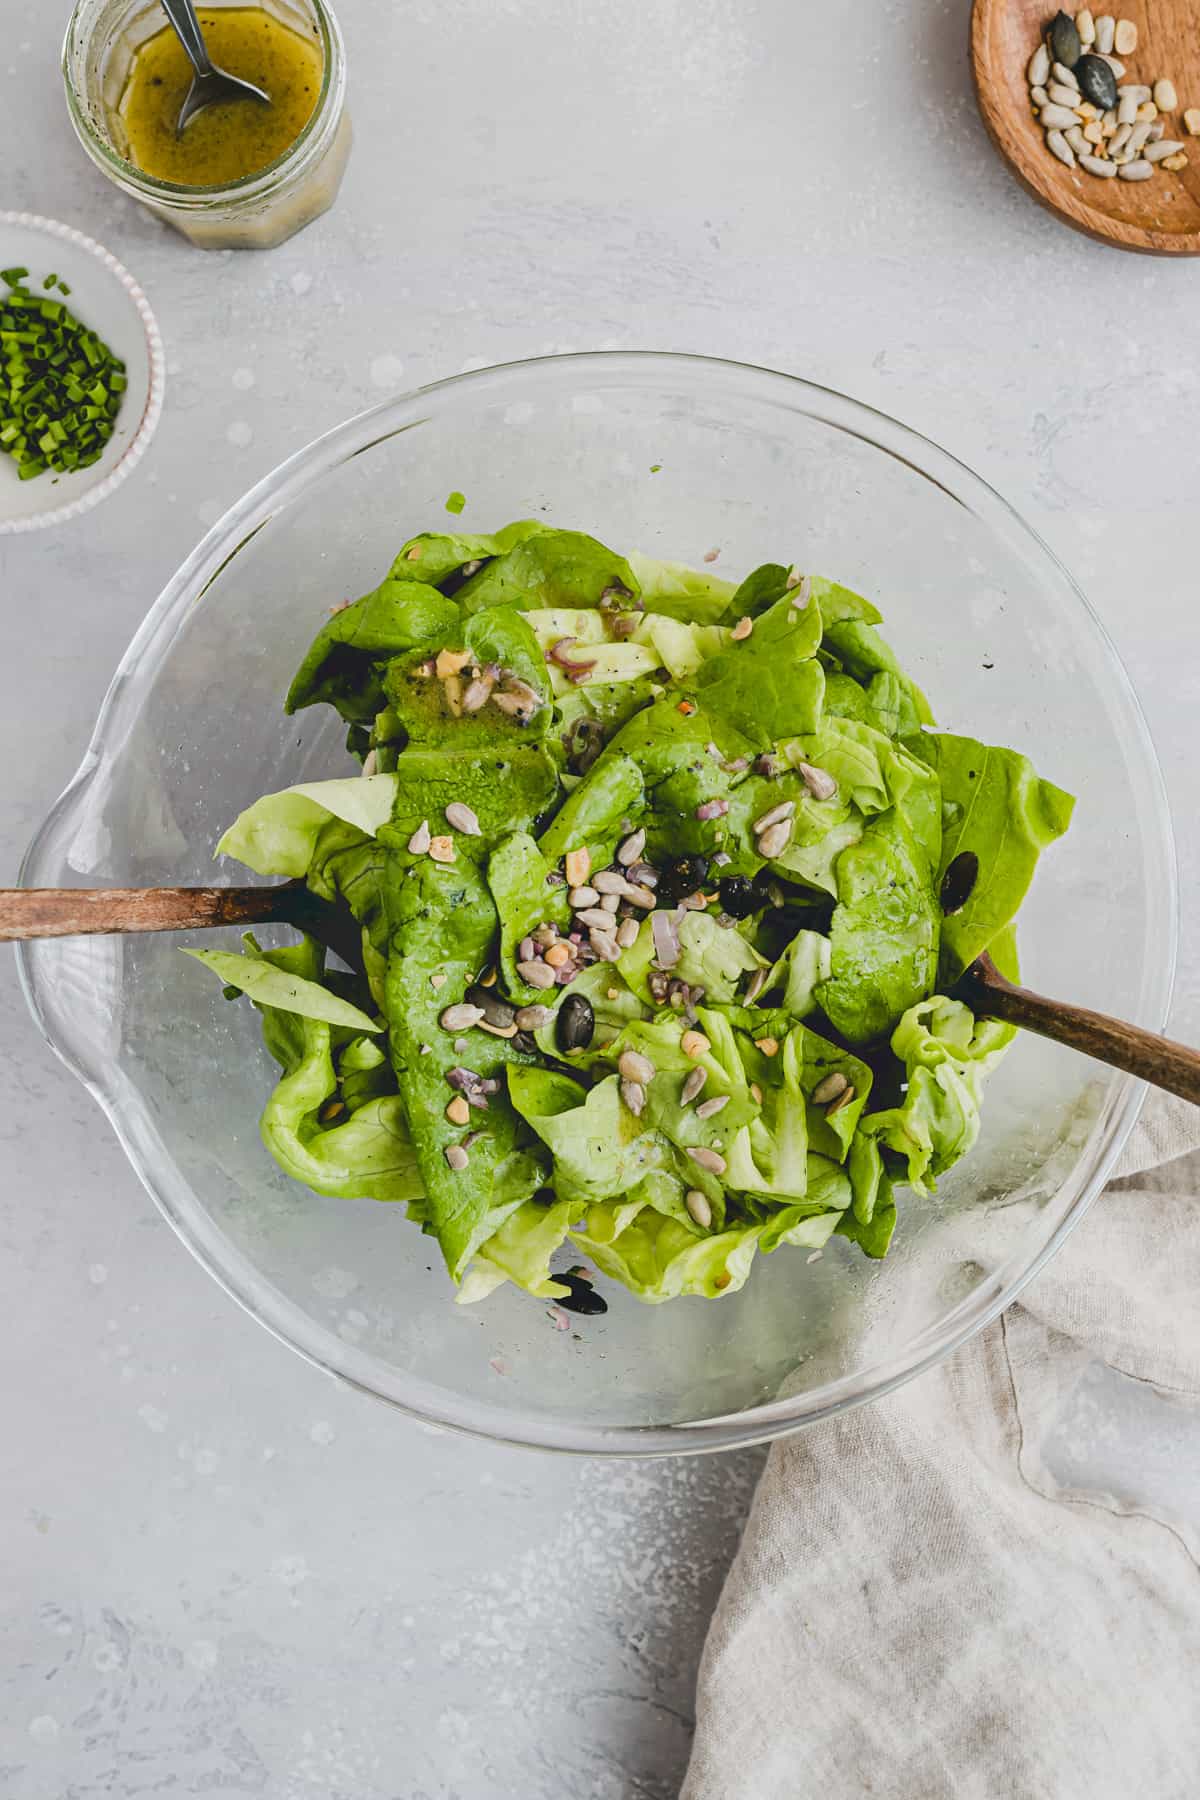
x: 1066, y: 46
x: 1097, y: 82
x: 680, y: 878
x: 582, y: 1298
x: 575, y: 1024
x: 740, y: 897
x: 959, y: 881
x: 492, y: 1005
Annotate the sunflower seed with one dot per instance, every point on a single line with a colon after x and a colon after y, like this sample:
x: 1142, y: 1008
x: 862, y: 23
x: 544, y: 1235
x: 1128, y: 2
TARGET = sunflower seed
x: 594, y: 916
x: 1126, y: 110
x: 631, y: 849
x: 1057, y: 118
x: 692, y: 1086
x: 1106, y: 31
x: 694, y: 1043
x: 756, y: 1093
x: 583, y: 896
x: 456, y: 1157
x: 1164, y: 147
x: 458, y: 1112
x: 819, y: 782
x: 627, y: 933
x: 1061, y: 96
x: 1058, y: 146
x: 1085, y: 25
x: 1179, y: 161
x: 1134, y: 90
x: 1040, y: 98
x: 1096, y: 165
x: 605, y: 945
x: 537, y: 974
x: 609, y: 903
x: 774, y: 840
x: 545, y: 934
x: 462, y: 817
x: 636, y: 1067
x: 1137, y: 138
x: 1117, y: 67
x: 835, y: 1083
x: 712, y: 1160
x: 639, y: 896
x: 1125, y: 37
x: 784, y: 810
x: 1191, y: 119
x: 708, y: 1108
x: 1065, y: 77
x: 1136, y: 171
x: 461, y: 1017
x: 1039, y: 67
x: 697, y: 1204
x: 526, y: 950
x: 442, y: 850
x: 420, y: 840
x: 532, y: 1018
x: 1080, y: 144
x: 768, y: 1045
x: 1158, y: 131
x: 634, y: 1096
x: 478, y: 692
x: 843, y: 1099
x: 755, y: 986
x: 609, y: 881
x: 1119, y: 138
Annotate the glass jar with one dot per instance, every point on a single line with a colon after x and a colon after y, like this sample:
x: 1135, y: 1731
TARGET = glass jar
x: 254, y: 213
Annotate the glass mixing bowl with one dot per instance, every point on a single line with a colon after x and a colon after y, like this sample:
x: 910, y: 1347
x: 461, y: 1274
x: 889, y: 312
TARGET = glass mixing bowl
x: 672, y: 455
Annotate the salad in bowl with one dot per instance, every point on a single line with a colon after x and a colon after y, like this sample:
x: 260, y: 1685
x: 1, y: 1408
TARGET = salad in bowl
x: 662, y: 885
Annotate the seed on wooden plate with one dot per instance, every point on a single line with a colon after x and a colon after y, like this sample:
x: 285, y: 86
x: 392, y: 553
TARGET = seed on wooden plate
x: 712, y: 1160
x: 574, y: 1024
x: 692, y: 1086
x: 583, y: 896
x: 1126, y: 110
x: 835, y: 1083
x: 768, y: 1045
x: 843, y: 1099
x: 742, y: 629
x: 1058, y: 95
x: 1106, y: 31
x: 1096, y: 165
x: 707, y: 1109
x: 462, y: 817
x: 458, y: 1112
x: 1158, y: 131
x: 1191, y: 119
x: 605, y: 945
x: 1085, y: 25
x: 634, y: 1096
x: 1058, y: 146
x: 694, y: 1044
x: 1125, y: 37
x: 636, y: 1067
x: 1081, y: 141
x: 1057, y: 118
x: 1137, y: 138
x: 532, y: 1018
x: 420, y: 840
x: 578, y: 866
x: 1119, y: 139
x: 538, y: 974
x: 1039, y: 97
x: 1176, y: 162
x: 456, y: 1157
x: 1147, y: 114
x: 697, y: 1204
x: 461, y: 1017
x: 1116, y: 65
x: 1134, y: 90
x: 1065, y: 46
x: 1039, y: 67
x: 1085, y: 111
x: 784, y: 810
x: 1109, y: 121
x: 557, y: 954
x: 1136, y: 171
x: 1097, y: 83
x: 775, y: 839
x: 1065, y: 77
x: 631, y: 849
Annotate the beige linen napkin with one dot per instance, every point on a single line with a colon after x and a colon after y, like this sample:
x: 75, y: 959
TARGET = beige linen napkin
x: 919, y: 1612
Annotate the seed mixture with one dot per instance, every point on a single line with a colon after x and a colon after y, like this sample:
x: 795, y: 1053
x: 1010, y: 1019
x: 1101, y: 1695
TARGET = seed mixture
x: 1092, y: 116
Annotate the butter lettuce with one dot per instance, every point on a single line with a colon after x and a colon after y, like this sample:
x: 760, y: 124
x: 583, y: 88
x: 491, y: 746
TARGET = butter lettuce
x: 688, y: 733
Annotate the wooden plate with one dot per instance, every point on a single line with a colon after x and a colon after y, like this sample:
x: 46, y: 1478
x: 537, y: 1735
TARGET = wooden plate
x: 1161, y: 215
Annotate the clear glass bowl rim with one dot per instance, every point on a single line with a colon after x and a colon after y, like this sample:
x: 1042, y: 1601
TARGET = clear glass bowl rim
x: 120, y: 1101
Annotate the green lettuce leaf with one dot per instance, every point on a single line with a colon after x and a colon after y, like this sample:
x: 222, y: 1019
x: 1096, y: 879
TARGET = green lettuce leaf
x: 995, y: 805
x: 278, y: 834
x: 520, y: 1250
x: 884, y: 934
x: 659, y: 1258
x: 679, y: 592
x: 441, y: 554
x: 516, y: 874
x: 555, y: 568
x: 269, y: 985
x: 769, y: 686
x: 340, y: 665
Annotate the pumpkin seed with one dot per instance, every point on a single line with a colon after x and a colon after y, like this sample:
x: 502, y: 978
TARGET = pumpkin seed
x: 1065, y: 46
x: 575, y: 1024
x: 495, y: 1009
x: 1097, y: 82
x: 958, y: 882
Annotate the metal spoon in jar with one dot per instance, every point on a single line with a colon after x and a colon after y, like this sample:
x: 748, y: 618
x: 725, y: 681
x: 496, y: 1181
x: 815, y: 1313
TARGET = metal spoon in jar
x: 209, y: 84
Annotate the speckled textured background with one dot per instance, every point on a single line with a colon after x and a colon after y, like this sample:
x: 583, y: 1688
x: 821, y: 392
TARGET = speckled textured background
x: 221, y: 1574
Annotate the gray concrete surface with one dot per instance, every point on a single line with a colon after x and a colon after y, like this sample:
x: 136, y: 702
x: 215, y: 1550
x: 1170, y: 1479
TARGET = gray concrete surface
x: 223, y: 1575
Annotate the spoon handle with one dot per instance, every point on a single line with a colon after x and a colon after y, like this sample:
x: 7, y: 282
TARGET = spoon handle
x: 1152, y: 1058
x: 77, y: 912
x: 182, y: 15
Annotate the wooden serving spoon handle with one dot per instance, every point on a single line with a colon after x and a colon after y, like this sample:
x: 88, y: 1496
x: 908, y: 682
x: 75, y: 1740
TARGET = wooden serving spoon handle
x: 1158, y: 1060
x: 82, y: 912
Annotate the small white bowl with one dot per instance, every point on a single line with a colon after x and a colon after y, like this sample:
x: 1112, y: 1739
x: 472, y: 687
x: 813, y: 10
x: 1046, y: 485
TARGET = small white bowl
x: 108, y: 300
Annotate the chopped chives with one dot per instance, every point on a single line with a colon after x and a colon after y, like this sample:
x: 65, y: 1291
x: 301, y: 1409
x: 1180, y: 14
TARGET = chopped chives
x: 60, y: 385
